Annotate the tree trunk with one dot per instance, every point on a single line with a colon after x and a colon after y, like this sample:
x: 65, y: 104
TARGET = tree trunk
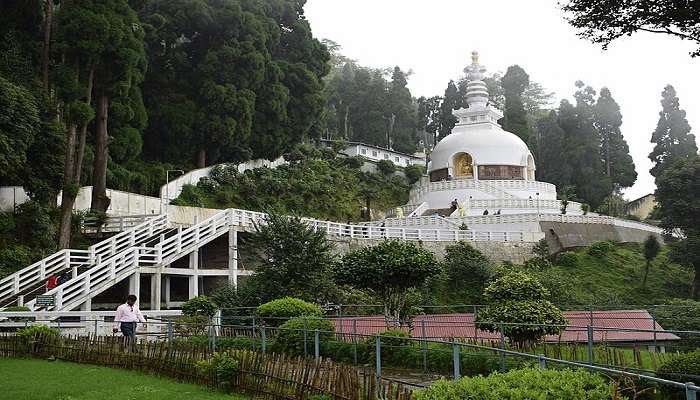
x: 68, y: 195
x: 201, y: 158
x: 646, y: 273
x: 83, y: 132
x: 100, y: 201
x: 696, y: 284
x: 48, y: 23
x: 345, y: 124
x: 71, y: 173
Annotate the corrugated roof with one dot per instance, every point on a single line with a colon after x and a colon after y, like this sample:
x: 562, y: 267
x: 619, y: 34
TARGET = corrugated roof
x: 609, y: 326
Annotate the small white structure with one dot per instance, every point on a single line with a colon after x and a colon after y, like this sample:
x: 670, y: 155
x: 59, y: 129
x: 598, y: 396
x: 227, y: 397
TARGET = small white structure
x: 376, y: 154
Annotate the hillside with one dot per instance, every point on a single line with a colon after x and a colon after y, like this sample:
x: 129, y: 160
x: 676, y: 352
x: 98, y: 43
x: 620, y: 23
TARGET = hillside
x: 315, y: 184
x: 614, y: 277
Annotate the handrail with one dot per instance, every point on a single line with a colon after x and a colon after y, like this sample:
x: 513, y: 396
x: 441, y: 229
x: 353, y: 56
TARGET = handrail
x: 69, y: 259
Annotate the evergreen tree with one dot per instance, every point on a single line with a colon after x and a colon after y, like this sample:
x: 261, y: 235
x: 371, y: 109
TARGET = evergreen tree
x: 403, y: 114
x: 429, y: 119
x: 231, y: 80
x: 677, y: 191
x: 514, y: 83
x: 582, y: 150
x: 619, y: 166
x: 552, y: 165
x: 672, y: 137
x: 450, y: 101
x: 19, y: 123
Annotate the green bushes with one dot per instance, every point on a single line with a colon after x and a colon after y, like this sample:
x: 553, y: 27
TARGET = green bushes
x: 199, y: 306
x: 330, y: 189
x: 523, y: 384
x: 568, y: 259
x: 290, y: 337
x: 30, y: 332
x: 386, y: 167
x: 601, y: 249
x: 680, y: 365
x: 413, y: 173
x: 222, y: 366
x: 276, y: 312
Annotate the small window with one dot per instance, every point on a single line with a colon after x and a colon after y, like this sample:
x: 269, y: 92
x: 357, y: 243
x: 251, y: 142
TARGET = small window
x: 363, y: 151
x: 386, y: 156
x: 407, y: 161
x: 473, y: 118
x: 396, y: 159
x: 374, y: 153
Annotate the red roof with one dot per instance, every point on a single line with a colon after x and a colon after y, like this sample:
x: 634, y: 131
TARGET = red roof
x: 608, y: 326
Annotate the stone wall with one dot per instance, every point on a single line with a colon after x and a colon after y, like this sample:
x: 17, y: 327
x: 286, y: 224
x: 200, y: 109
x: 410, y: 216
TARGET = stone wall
x: 516, y: 252
x: 564, y: 236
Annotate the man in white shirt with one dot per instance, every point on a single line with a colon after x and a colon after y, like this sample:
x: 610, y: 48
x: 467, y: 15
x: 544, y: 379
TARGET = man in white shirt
x: 128, y: 315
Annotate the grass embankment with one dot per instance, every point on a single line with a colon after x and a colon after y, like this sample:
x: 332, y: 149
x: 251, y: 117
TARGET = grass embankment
x: 44, y: 380
x: 615, y: 278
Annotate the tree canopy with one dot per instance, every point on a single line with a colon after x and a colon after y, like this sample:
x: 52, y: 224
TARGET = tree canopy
x: 603, y: 21
x: 388, y: 270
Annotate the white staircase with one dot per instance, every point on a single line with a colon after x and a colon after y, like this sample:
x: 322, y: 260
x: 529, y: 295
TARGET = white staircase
x: 71, y: 260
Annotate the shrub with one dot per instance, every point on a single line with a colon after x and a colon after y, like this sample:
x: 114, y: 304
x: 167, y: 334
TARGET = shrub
x: 537, y: 264
x: 16, y: 309
x: 386, y: 167
x: 541, y: 249
x: 601, y: 249
x: 200, y: 305
x: 680, y: 365
x: 568, y: 259
x: 192, y: 325
x: 520, y: 298
x: 221, y: 366
x: 392, y: 338
x: 276, y: 312
x: 524, y: 384
x: 355, y: 162
x: 30, y: 332
x: 413, y: 173
x: 290, y: 337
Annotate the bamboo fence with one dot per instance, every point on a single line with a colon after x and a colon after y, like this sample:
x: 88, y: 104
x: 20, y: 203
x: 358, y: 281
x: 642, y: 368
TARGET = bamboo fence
x: 260, y: 375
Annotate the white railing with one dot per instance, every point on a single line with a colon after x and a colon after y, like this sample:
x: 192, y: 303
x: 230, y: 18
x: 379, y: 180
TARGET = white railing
x: 69, y: 259
x: 99, y: 278
x: 84, y: 323
x: 29, y: 276
x: 115, y: 223
x: 495, y: 187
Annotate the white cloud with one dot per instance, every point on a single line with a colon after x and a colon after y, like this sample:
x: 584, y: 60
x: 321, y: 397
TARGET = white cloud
x: 434, y: 39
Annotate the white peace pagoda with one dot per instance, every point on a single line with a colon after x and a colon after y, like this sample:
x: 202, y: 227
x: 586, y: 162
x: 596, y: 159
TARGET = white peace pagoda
x: 481, y: 168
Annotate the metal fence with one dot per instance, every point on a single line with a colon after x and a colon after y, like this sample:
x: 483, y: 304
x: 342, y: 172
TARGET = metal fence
x: 432, y: 356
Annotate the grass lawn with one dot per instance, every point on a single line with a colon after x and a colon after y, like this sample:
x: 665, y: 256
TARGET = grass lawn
x: 27, y: 379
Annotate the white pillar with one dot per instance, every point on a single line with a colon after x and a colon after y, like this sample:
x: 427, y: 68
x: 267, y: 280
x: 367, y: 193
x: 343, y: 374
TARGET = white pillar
x: 167, y: 291
x: 155, y: 291
x: 86, y: 306
x: 194, y: 278
x: 233, y: 256
x: 135, y: 284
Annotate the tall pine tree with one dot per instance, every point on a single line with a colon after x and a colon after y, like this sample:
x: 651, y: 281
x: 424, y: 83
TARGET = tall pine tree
x: 450, y: 101
x: 514, y: 83
x: 402, y: 118
x: 619, y: 166
x: 672, y: 137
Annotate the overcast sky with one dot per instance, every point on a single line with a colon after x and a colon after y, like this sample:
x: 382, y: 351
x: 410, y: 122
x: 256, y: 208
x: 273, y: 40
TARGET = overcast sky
x: 434, y: 39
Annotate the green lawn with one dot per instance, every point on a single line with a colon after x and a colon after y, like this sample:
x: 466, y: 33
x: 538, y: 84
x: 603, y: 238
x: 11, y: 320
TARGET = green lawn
x: 38, y: 380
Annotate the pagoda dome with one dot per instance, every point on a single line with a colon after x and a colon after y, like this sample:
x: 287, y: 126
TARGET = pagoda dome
x: 478, y: 147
